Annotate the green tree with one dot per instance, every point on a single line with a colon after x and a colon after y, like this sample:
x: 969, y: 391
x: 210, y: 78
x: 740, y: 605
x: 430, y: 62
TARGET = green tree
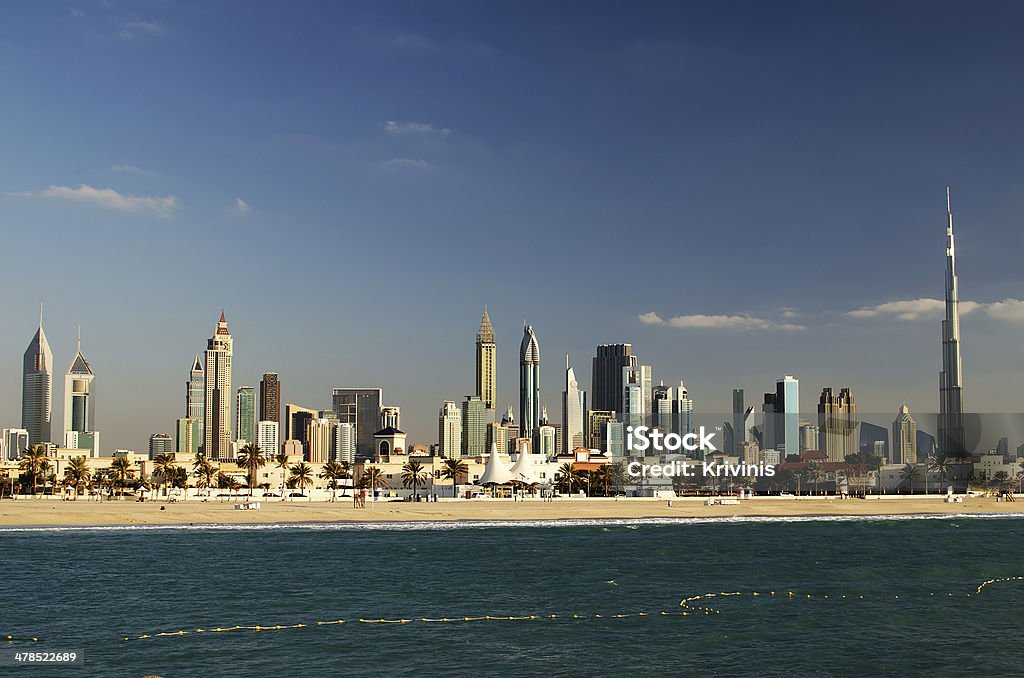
x: 909, y: 474
x: 163, y: 466
x: 77, y: 474
x: 413, y: 475
x: 567, y: 478
x: 454, y: 469
x: 31, y: 464
x: 302, y: 476
x: 121, y: 472
x: 333, y: 472
x: 252, y: 460
x: 372, y: 478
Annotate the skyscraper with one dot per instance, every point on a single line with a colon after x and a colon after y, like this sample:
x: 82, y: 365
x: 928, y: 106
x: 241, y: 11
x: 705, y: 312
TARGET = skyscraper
x: 683, y: 410
x: 838, y: 428
x: 474, y: 426
x: 636, y: 394
x: 787, y: 405
x: 268, y: 438
x: 951, y: 417
x: 195, y: 398
x: 14, y: 443
x: 270, y: 397
x: 361, y: 408
x: 189, y: 438
x: 606, y: 380
x: 160, y: 443
x: 217, y: 393
x: 486, y: 378
x: 37, y: 388
x: 739, y: 416
x: 529, y: 383
x: 295, y: 419
x: 574, y: 408
x: 245, y: 415
x: 79, y: 406
x: 449, y: 430
x: 904, y: 437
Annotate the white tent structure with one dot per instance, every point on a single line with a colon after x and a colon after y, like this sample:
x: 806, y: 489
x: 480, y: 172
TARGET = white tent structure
x: 523, y: 471
x: 495, y: 471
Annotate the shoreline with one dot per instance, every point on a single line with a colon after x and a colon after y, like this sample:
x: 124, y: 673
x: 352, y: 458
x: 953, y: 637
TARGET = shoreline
x: 50, y: 513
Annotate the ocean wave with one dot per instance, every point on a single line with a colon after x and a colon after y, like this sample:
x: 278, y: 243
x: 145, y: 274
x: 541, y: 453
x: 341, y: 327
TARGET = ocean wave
x: 435, y: 525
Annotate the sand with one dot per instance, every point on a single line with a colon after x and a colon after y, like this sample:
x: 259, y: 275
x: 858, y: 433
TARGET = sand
x: 47, y: 512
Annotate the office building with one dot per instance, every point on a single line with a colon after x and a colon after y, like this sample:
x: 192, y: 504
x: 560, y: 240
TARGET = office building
x: 189, y: 437
x: 474, y: 426
x: 195, y: 397
x: 15, y: 443
x: 838, y: 428
x: 160, y: 443
x: 606, y: 378
x: 245, y: 415
x: 596, y: 428
x: 636, y: 395
x: 546, y: 441
x: 79, y: 394
x: 787, y: 407
x: 904, y: 437
x: 361, y: 408
x: 37, y: 388
x: 270, y: 397
x: 529, y: 383
x: 449, y: 430
x: 486, y: 363
x: 268, y: 438
x: 296, y: 419
x: 574, y: 407
x: 217, y: 392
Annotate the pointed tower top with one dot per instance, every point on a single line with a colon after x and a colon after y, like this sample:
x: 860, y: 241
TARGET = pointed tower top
x: 197, y: 365
x: 222, y: 318
x: 222, y: 324
x: 485, y: 335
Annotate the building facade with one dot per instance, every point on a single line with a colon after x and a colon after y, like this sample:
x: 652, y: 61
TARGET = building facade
x: 361, y: 408
x: 529, y: 383
x: 217, y: 393
x: 37, y: 388
x: 270, y: 397
x: 486, y: 363
x: 449, y: 430
x: 474, y: 426
x: 904, y: 437
x: 606, y: 378
x: 950, y: 438
x: 838, y: 428
x: 245, y: 415
x: 574, y: 408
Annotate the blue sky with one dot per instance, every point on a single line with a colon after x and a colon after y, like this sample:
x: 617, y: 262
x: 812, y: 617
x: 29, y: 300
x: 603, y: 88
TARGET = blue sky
x: 352, y: 182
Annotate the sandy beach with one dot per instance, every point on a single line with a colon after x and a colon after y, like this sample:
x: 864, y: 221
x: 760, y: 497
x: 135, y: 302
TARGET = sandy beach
x: 47, y: 512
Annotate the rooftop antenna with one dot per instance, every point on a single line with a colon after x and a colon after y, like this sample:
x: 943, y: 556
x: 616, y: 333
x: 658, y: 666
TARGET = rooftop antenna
x: 78, y: 345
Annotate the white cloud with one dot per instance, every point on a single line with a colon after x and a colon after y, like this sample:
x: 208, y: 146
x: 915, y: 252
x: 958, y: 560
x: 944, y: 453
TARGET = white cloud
x: 107, y: 198
x: 132, y: 169
x: 395, y: 128
x: 733, y: 322
x: 133, y: 28
x: 241, y: 207
x: 406, y: 163
x: 1007, y: 309
x: 913, y: 309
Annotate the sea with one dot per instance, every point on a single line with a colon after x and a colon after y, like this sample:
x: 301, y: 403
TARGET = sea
x: 817, y: 597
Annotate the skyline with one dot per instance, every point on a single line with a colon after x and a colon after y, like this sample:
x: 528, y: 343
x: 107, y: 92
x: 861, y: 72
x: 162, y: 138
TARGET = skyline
x: 698, y: 152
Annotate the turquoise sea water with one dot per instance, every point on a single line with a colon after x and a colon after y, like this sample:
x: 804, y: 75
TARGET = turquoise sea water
x: 87, y: 589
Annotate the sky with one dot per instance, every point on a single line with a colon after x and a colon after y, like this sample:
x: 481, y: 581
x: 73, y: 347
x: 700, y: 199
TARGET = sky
x: 740, y: 190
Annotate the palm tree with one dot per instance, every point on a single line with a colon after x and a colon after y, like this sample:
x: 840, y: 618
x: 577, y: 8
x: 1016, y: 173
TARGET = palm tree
x: 453, y: 470
x: 76, y: 474
x: 910, y: 473
x: 252, y: 460
x: 373, y: 478
x: 31, y: 462
x: 612, y: 476
x: 48, y: 478
x: 814, y: 471
x: 332, y: 471
x: 163, y: 465
x: 568, y: 478
x: 413, y: 476
x: 121, y: 472
x: 302, y: 476
x: 281, y: 461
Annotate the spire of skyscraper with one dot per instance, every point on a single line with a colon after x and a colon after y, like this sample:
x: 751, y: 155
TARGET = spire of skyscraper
x: 951, y: 421
x: 486, y: 363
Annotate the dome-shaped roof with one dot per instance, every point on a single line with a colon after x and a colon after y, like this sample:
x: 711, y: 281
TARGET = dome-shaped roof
x: 529, y: 350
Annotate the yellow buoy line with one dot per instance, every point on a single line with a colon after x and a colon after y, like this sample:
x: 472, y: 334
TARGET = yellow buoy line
x: 20, y: 639
x: 692, y: 606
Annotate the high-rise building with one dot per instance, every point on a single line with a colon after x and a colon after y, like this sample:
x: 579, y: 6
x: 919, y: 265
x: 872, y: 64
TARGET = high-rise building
x: 950, y: 438
x: 486, y: 362
x: 189, y: 437
x: 787, y: 406
x: 1003, y: 447
x: 838, y: 428
x: 79, y: 403
x: 769, y: 429
x: 508, y: 422
x: 361, y: 408
x: 546, y: 441
x: 321, y: 439
x: 15, y: 442
x: 37, y: 388
x: 497, y: 435
x: 449, y: 430
x: 606, y: 380
x: 574, y: 406
x: 345, y: 442
x: 808, y: 436
x: 270, y: 397
x: 474, y: 426
x: 268, y: 438
x: 245, y: 415
x: 160, y: 443
x: 217, y: 393
x: 195, y: 397
x: 636, y: 394
x: 296, y: 418
x: 596, y: 428
x: 662, y: 404
x: 529, y: 383
x: 683, y: 410
x: 904, y: 437
x: 739, y: 429
x: 615, y: 436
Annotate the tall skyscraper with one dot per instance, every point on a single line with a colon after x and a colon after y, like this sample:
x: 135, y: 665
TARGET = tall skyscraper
x: 683, y: 410
x: 838, y: 428
x: 345, y: 442
x: 771, y: 422
x: 474, y: 426
x: 662, y: 405
x: 189, y: 437
x: 268, y: 438
x: 245, y: 415
x: 449, y: 430
x: 270, y: 397
x: 529, y: 383
x: 739, y: 429
x: 596, y: 420
x: 787, y: 405
x: 361, y: 408
x: 904, y: 437
x: 217, y: 393
x: 636, y: 394
x: 37, y: 388
x: 79, y: 403
x: 195, y: 398
x: 486, y: 361
x: 296, y: 417
x: 951, y: 416
x: 574, y: 407
x: 606, y: 380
